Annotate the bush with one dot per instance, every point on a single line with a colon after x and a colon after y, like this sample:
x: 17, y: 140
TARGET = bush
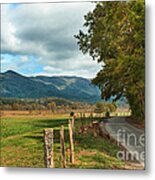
x: 71, y: 114
x: 107, y: 114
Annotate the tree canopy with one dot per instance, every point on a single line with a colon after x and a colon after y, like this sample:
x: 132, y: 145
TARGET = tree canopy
x: 115, y: 38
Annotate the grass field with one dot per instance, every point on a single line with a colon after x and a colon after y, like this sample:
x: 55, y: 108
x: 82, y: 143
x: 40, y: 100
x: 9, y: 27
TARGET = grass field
x: 22, y: 144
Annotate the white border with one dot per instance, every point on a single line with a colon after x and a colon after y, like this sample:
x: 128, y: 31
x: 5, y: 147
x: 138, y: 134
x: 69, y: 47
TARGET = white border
x: 70, y: 174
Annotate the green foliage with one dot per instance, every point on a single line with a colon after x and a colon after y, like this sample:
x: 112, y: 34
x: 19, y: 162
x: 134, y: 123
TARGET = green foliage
x: 115, y: 38
x: 99, y: 107
x: 107, y: 114
x: 72, y: 114
x: 51, y: 104
x: 105, y: 107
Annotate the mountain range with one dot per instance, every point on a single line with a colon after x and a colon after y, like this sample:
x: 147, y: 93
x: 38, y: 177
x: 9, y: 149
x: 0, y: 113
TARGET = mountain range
x: 15, y: 85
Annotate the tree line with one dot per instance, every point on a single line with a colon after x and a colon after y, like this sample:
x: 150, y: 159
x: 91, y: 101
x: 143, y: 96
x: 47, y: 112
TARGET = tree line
x: 56, y: 105
x: 51, y: 104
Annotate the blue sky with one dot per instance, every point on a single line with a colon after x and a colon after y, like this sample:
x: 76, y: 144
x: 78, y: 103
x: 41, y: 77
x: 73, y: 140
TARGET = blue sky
x: 37, y: 39
x: 14, y: 5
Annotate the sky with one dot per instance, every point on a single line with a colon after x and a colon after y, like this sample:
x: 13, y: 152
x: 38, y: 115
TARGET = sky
x: 38, y: 39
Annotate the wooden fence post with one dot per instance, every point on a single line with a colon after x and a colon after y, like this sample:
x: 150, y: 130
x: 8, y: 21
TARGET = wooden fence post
x: 71, y: 141
x: 95, y: 128
x: 73, y: 122
x: 48, y: 146
x: 62, y: 147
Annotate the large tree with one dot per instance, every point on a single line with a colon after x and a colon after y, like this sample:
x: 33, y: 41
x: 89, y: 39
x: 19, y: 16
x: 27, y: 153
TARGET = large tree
x: 115, y: 38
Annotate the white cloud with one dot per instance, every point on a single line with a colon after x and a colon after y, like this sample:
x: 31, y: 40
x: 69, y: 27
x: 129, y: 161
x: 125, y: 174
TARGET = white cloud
x: 24, y: 58
x: 46, y: 31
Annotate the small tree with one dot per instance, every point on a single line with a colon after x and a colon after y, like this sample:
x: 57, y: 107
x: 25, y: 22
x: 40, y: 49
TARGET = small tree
x: 71, y: 114
x: 109, y: 107
x: 106, y: 107
x: 99, y: 108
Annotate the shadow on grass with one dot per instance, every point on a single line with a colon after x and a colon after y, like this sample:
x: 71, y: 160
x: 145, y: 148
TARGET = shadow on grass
x: 53, y: 123
x: 34, y: 137
x: 87, y: 142
x: 56, y: 123
x: 99, y: 144
x: 39, y: 136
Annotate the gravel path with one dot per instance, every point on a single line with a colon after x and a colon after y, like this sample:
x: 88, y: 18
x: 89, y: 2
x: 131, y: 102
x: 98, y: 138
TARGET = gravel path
x: 131, y: 138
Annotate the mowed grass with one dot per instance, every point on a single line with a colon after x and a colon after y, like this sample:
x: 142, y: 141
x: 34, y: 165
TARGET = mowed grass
x: 22, y: 144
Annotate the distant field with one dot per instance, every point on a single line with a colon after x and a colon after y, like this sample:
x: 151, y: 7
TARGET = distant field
x: 33, y: 114
x: 22, y: 143
x: 47, y: 113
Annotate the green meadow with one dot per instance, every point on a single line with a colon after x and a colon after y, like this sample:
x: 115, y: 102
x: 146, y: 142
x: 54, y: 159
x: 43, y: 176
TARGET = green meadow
x: 22, y: 144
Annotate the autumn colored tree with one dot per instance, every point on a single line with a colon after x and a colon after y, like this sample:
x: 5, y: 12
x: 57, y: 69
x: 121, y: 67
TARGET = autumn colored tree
x: 105, y: 107
x: 115, y: 38
x: 99, y: 107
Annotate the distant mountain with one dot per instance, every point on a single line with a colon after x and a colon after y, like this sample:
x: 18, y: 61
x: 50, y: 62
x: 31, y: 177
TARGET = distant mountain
x: 15, y: 85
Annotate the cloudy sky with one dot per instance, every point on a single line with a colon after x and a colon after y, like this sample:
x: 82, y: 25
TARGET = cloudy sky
x: 38, y: 39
